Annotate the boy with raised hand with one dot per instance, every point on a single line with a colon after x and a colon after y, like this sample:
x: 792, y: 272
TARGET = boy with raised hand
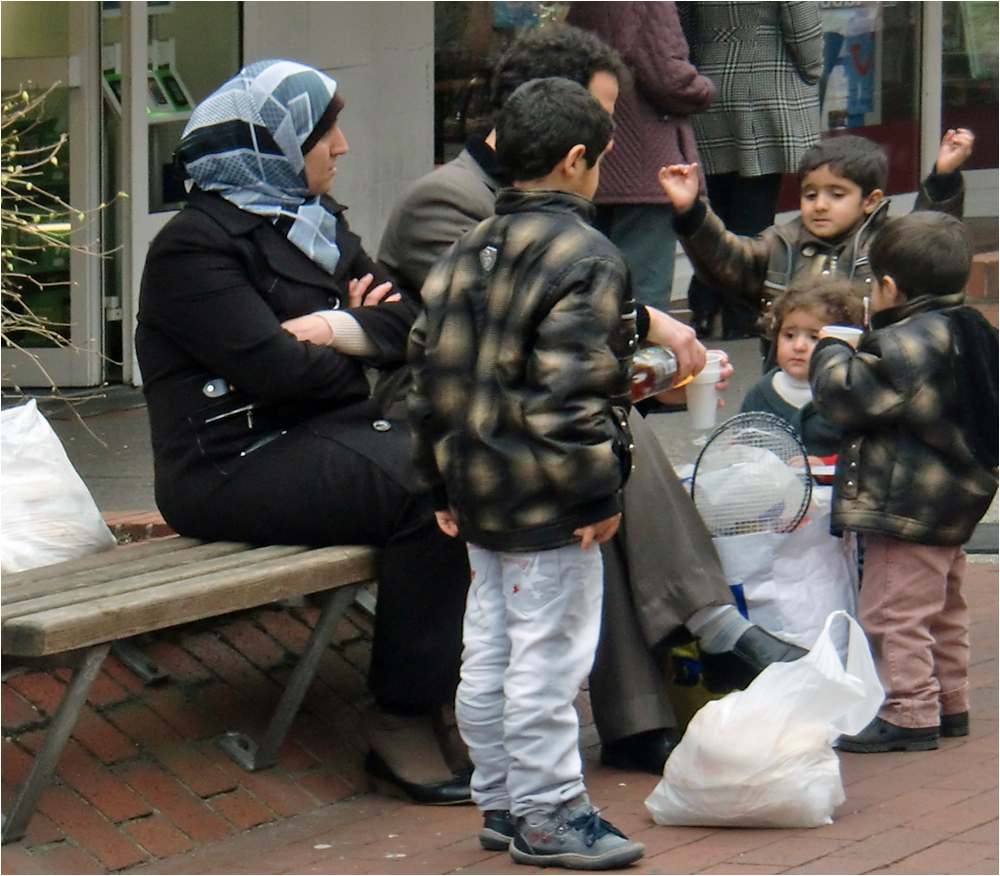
x: 521, y: 366
x: 917, y: 470
x: 841, y: 186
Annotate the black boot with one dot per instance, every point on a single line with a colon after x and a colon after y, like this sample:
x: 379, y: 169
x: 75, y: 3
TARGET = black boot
x: 754, y: 650
x: 645, y: 752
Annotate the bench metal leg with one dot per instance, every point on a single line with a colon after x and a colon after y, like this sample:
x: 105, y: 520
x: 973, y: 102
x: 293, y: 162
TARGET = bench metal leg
x: 147, y: 669
x: 240, y: 747
x: 44, y: 764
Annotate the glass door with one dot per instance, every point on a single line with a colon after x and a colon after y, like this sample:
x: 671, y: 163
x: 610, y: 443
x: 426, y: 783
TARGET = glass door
x: 55, y: 268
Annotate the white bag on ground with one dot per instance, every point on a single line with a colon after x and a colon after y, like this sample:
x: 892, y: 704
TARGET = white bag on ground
x: 47, y: 514
x: 763, y: 757
x: 790, y: 582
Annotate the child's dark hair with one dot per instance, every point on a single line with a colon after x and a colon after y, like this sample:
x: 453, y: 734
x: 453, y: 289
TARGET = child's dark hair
x: 926, y: 253
x: 542, y: 120
x: 840, y: 301
x: 555, y: 50
x: 855, y: 158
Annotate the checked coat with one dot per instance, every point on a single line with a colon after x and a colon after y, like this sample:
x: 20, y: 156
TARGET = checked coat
x: 765, y: 60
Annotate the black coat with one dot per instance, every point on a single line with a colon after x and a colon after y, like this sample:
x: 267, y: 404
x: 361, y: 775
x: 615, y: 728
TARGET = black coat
x: 259, y: 437
x: 220, y: 374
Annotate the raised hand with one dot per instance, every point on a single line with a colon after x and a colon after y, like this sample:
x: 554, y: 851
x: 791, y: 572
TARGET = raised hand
x: 956, y: 147
x: 680, y: 183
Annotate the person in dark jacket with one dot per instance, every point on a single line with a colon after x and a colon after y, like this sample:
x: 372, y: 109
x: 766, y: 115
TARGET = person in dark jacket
x: 521, y: 364
x: 651, y: 129
x: 917, y: 470
x: 259, y: 311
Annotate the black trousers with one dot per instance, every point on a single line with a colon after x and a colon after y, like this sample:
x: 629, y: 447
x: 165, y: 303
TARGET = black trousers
x: 333, y: 482
x: 746, y: 205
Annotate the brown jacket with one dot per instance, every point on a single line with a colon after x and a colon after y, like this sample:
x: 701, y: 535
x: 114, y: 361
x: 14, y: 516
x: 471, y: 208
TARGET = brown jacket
x: 651, y: 126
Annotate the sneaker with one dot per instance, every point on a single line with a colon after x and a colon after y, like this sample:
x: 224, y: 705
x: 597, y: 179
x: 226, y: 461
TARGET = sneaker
x: 882, y: 736
x: 497, y: 830
x: 955, y: 725
x: 574, y: 837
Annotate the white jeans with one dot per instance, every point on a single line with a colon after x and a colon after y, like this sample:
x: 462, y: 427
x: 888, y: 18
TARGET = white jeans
x: 532, y: 621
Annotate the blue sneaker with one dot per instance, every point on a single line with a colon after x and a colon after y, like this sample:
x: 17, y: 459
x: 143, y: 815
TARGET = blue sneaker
x: 574, y: 837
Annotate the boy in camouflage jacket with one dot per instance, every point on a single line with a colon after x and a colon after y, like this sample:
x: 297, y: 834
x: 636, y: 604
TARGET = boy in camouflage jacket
x: 521, y: 366
x: 917, y: 470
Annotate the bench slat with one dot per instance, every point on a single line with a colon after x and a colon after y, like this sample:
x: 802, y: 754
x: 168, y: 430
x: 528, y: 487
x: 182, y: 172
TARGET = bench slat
x: 16, y: 589
x: 122, y: 554
x: 171, y: 568
x: 129, y: 614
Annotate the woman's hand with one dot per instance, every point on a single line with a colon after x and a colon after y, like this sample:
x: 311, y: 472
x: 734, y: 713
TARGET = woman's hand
x: 361, y: 295
x: 311, y: 328
x: 597, y: 533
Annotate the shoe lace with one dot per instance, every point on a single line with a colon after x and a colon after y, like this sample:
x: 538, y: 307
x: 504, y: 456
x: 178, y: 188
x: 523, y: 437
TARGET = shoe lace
x: 593, y: 827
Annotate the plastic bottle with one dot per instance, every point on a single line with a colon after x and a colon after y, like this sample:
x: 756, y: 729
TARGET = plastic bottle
x: 655, y: 369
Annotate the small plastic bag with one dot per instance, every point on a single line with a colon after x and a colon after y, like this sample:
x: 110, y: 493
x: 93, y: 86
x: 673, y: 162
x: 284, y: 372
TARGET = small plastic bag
x: 47, y: 514
x: 763, y: 757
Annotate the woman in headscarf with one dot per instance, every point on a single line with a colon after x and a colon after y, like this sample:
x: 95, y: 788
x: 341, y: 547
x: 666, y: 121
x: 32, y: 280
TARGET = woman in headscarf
x: 259, y: 311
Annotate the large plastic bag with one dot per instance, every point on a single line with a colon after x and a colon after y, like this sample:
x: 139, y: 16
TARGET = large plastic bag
x: 788, y: 583
x: 47, y: 514
x: 763, y: 757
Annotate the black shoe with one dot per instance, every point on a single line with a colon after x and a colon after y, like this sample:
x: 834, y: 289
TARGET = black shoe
x: 497, y: 830
x: 753, y: 651
x: 955, y: 725
x: 645, y: 752
x: 451, y: 792
x: 882, y: 736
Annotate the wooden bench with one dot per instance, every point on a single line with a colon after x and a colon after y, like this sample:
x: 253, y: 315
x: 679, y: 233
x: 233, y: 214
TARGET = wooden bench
x: 74, y: 613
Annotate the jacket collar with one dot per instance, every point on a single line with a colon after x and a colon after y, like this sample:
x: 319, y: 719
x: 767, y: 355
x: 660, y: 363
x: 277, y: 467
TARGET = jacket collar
x: 795, y: 234
x: 914, y: 306
x: 486, y: 158
x: 281, y: 256
x: 517, y: 201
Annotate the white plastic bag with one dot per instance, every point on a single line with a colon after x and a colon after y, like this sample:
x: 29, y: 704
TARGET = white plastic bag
x: 790, y: 582
x: 763, y: 757
x: 47, y: 514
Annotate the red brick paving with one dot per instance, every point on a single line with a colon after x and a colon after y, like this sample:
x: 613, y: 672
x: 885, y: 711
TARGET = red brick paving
x: 143, y: 789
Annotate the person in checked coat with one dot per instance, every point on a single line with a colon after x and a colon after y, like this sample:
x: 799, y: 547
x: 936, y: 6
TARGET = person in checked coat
x: 766, y: 60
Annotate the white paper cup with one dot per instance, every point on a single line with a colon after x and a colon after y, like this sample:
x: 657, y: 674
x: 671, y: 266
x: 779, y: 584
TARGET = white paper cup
x: 844, y: 333
x: 702, y: 397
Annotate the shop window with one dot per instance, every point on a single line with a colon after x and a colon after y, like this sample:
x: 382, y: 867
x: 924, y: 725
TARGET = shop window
x: 469, y: 38
x: 969, y: 76
x: 871, y: 80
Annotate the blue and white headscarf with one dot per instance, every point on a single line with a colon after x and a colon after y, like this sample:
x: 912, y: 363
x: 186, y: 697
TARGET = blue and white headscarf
x: 245, y: 141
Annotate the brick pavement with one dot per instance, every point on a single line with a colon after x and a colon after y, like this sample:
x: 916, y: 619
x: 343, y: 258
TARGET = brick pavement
x: 142, y: 789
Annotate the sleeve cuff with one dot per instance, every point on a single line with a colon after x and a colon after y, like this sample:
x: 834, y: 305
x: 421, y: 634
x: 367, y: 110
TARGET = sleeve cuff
x: 943, y: 186
x: 348, y: 335
x: 687, y: 223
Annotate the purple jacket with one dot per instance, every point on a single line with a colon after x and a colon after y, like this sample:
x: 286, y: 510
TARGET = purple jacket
x: 651, y: 126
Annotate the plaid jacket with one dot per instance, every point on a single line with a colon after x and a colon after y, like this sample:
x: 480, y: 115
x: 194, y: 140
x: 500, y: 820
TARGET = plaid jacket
x: 521, y: 366
x: 765, y: 60
x: 755, y: 269
x: 906, y: 467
